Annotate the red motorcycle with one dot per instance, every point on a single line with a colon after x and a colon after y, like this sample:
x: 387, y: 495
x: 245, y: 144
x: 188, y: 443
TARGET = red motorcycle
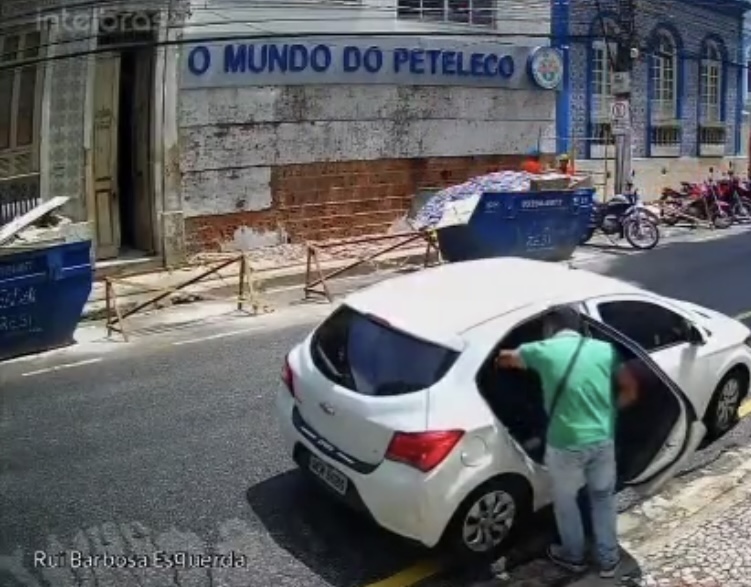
x: 737, y: 194
x: 695, y: 203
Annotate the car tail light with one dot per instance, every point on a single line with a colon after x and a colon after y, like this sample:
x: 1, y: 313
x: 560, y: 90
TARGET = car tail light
x: 288, y: 377
x: 423, y: 450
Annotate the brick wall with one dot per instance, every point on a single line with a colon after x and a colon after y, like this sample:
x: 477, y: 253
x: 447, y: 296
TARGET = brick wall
x: 328, y: 200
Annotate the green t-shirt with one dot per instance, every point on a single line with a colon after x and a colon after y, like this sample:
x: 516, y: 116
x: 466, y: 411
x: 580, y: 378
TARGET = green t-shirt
x: 585, y: 413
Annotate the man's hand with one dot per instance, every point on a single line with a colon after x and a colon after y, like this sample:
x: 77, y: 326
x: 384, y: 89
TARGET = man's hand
x: 509, y: 360
x: 628, y: 387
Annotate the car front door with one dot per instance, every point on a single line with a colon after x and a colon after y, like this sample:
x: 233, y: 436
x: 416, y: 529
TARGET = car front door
x: 686, y: 433
x: 662, y: 330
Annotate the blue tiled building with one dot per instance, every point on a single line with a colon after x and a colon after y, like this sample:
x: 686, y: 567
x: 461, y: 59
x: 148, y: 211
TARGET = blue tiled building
x: 687, y: 84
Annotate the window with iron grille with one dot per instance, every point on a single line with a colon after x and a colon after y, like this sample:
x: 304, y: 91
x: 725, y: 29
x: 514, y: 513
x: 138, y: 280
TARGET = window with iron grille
x: 665, y: 136
x: 711, y: 135
x: 471, y: 12
x: 20, y: 89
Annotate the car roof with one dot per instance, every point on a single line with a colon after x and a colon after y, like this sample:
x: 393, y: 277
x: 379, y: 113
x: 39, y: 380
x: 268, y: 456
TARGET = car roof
x: 443, y: 302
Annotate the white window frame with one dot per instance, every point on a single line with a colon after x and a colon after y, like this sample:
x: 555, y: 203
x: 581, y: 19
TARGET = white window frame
x: 711, y: 72
x: 664, y: 68
x: 446, y: 13
x: 665, y: 92
x: 601, y: 91
x: 711, y: 84
x: 22, y: 160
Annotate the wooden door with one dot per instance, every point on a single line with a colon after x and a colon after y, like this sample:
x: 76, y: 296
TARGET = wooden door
x: 105, y: 168
x: 143, y: 230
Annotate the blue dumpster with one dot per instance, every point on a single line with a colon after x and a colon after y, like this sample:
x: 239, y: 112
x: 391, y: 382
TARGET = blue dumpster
x: 42, y: 295
x: 546, y: 226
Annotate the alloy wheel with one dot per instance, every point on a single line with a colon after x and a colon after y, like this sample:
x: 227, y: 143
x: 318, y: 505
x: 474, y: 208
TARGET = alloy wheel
x: 489, y: 521
x: 727, y: 404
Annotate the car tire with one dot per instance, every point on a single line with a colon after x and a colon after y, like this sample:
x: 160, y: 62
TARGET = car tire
x: 722, y: 412
x: 508, y: 502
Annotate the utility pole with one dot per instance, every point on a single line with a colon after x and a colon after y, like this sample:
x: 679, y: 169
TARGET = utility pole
x: 627, y: 52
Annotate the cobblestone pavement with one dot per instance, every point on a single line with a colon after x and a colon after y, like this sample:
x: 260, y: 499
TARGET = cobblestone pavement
x: 715, y: 554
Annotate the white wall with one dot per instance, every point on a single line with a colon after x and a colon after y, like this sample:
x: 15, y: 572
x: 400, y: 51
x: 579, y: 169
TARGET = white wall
x: 230, y: 138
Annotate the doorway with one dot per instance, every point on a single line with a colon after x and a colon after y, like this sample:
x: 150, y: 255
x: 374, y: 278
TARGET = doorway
x: 122, y: 147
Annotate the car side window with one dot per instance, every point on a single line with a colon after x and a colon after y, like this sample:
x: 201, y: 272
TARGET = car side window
x: 651, y: 326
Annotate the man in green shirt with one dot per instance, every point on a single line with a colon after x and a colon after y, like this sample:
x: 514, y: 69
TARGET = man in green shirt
x: 578, y: 376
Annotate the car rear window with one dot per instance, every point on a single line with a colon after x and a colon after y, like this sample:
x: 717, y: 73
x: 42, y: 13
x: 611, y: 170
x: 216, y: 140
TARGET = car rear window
x: 366, y: 355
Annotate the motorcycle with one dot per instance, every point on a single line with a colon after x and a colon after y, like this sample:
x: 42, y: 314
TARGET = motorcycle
x: 624, y: 216
x: 696, y: 203
x: 737, y: 195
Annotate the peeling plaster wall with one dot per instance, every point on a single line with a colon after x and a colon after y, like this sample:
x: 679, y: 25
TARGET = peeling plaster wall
x: 230, y: 138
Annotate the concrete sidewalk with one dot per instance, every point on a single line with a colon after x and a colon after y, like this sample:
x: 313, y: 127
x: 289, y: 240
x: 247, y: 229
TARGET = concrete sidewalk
x: 275, y: 274
x: 695, y: 533
x: 284, y: 267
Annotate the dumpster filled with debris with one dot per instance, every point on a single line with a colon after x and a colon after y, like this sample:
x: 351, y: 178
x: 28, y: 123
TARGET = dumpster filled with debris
x: 509, y: 213
x: 46, y: 277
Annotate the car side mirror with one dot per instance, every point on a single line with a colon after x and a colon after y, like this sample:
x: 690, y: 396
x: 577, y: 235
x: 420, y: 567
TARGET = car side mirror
x: 695, y: 335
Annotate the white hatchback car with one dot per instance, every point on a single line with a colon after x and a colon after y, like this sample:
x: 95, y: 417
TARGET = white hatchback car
x: 393, y: 403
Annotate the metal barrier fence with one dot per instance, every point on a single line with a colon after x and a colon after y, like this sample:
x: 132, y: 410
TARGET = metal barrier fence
x: 18, y: 195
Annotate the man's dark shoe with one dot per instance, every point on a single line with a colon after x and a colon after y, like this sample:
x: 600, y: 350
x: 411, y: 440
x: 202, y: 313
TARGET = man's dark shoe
x: 610, y: 571
x: 557, y: 556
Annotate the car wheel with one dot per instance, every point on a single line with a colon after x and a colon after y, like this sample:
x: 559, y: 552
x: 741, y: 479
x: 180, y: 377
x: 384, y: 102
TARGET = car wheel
x: 722, y: 413
x: 489, y: 518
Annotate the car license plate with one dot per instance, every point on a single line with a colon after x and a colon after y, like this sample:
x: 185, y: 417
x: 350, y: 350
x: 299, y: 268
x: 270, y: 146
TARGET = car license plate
x: 328, y: 475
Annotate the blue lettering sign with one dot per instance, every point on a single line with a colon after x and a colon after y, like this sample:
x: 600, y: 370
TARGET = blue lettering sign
x: 235, y: 58
x: 278, y: 57
x: 351, y: 58
x: 394, y: 63
x: 373, y: 60
x: 506, y: 66
x: 320, y: 58
x: 298, y: 58
x: 401, y: 56
x: 199, y: 60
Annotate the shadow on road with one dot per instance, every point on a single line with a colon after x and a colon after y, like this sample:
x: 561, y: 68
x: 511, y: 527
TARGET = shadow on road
x: 341, y: 546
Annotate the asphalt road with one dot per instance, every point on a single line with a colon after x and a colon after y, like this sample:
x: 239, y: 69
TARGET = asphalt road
x: 171, y: 446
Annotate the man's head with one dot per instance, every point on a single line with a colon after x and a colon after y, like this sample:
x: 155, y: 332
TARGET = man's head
x: 561, y: 318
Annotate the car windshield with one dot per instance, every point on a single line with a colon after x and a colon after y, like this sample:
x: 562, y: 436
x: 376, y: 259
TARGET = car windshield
x: 366, y: 355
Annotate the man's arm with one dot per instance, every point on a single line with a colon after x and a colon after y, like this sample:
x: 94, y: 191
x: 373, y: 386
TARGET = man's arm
x: 526, y: 356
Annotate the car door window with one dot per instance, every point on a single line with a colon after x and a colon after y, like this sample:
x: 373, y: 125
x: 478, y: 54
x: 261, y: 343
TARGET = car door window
x: 650, y: 434
x: 651, y: 326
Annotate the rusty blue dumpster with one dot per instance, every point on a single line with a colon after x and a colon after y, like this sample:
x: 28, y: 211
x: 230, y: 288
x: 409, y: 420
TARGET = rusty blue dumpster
x: 42, y: 295
x: 546, y: 226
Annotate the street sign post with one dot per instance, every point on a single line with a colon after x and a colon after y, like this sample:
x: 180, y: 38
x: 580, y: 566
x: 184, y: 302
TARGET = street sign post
x: 620, y: 115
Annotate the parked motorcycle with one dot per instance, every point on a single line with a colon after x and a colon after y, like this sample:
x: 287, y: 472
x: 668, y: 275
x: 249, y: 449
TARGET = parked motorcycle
x: 695, y: 203
x: 737, y: 194
x: 624, y: 215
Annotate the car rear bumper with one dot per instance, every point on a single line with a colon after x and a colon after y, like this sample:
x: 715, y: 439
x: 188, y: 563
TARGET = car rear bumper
x: 393, y: 495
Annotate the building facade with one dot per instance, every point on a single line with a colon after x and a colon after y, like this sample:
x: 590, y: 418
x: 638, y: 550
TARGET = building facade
x: 88, y: 99
x: 163, y: 154
x: 377, y: 109
x: 687, y: 87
